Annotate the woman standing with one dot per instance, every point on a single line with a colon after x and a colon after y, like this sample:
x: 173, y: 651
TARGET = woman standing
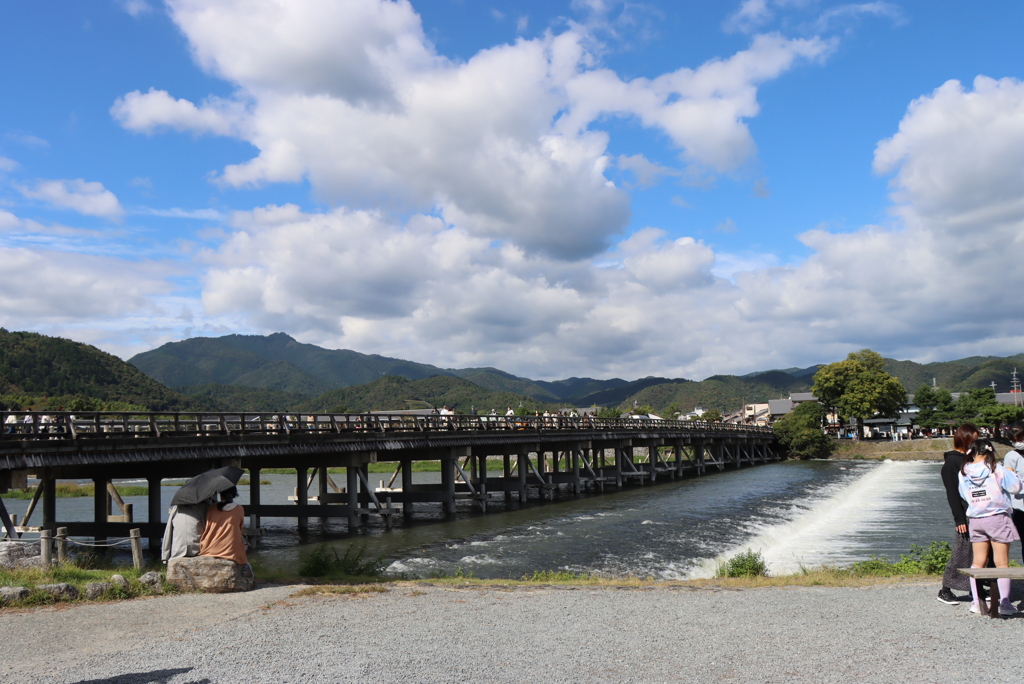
x: 963, y: 553
x: 1014, y: 460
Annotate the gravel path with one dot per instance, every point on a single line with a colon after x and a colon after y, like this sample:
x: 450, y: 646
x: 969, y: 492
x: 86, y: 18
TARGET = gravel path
x: 417, y: 633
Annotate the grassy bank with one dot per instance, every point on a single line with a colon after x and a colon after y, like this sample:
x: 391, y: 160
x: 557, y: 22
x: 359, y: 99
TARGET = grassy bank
x: 78, y: 577
x: 73, y: 489
x: 908, y: 450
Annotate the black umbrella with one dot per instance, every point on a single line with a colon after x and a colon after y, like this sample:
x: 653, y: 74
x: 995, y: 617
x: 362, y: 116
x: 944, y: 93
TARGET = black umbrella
x: 205, y: 485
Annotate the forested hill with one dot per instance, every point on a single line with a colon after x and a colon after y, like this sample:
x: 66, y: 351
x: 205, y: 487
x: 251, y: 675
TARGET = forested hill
x: 51, y: 372
x: 394, y: 393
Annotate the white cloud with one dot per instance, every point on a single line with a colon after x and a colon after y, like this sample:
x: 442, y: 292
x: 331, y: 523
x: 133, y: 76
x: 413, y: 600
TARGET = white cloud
x: 522, y: 23
x: 85, y: 197
x: 175, y: 212
x: 352, y: 97
x: 7, y: 164
x: 136, y: 8
x: 942, y: 278
x: 155, y: 109
x: 26, y: 139
x: 751, y: 15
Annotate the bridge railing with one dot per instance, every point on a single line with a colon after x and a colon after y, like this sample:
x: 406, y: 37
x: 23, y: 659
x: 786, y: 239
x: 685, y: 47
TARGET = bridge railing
x: 51, y: 425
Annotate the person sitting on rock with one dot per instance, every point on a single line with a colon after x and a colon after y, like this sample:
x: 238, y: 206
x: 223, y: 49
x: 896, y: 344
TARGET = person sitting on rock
x: 184, y: 527
x: 222, y: 536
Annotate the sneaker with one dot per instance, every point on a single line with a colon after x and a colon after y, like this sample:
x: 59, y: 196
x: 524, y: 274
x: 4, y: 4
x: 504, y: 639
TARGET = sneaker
x: 947, y: 596
x: 975, y: 608
x: 1008, y: 609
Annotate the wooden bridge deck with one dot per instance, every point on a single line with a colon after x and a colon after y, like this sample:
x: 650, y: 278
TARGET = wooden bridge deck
x: 540, y: 456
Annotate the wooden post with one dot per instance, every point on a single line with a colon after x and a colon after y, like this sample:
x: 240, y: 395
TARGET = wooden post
x: 62, y: 545
x: 322, y: 490
x: 678, y: 448
x: 46, y: 547
x: 407, y: 488
x: 352, y: 487
x: 506, y: 472
x: 482, y: 482
x: 698, y: 454
x: 448, y: 484
x: 254, y: 498
x: 8, y: 523
x: 575, y: 451
x: 49, y: 486
x: 135, y: 535
x: 100, y: 509
x: 521, y: 466
x: 302, y: 498
x: 154, y: 506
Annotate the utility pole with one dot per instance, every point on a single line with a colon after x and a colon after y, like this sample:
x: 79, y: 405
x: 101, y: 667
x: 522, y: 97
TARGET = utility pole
x: 1015, y: 389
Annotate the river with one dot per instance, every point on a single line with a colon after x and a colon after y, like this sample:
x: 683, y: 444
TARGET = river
x: 796, y: 513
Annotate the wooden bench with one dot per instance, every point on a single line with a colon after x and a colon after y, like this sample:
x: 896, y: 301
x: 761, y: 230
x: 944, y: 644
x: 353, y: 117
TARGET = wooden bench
x: 991, y: 575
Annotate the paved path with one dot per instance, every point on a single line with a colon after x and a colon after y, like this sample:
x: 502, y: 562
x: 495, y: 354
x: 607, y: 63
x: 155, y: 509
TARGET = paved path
x: 417, y: 633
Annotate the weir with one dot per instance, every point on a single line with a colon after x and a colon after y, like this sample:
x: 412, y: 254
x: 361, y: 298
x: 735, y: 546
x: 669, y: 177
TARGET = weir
x: 531, y: 456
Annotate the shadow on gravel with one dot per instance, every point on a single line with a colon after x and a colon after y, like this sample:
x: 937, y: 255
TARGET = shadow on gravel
x: 154, y: 677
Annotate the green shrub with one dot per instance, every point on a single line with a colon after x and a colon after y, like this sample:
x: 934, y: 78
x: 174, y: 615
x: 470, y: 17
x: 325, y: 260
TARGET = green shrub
x: 746, y: 564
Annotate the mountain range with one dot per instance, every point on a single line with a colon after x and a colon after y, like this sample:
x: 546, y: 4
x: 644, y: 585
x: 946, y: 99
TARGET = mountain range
x: 276, y: 372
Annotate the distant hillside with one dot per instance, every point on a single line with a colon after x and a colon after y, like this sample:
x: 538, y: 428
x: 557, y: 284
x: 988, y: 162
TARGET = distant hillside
x: 38, y: 366
x: 722, y: 392
x: 280, y: 363
x: 394, y: 393
x: 273, y: 362
x: 238, y: 398
x: 959, y: 375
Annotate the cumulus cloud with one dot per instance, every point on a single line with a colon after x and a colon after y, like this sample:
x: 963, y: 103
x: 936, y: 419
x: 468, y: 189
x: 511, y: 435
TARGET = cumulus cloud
x: 85, y: 197
x: 156, y: 109
x: 354, y: 98
x: 431, y: 291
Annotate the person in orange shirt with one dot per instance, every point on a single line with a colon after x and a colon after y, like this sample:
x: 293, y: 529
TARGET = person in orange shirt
x: 222, y: 536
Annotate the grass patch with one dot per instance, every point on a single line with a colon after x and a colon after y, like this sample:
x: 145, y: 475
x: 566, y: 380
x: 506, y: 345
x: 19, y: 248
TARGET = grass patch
x: 746, y: 564
x: 75, y: 574
x: 73, y: 489
x: 340, y: 590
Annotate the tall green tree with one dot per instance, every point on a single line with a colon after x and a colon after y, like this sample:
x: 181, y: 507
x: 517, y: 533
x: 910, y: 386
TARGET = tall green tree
x: 936, y: 407
x: 800, y: 433
x: 858, y: 387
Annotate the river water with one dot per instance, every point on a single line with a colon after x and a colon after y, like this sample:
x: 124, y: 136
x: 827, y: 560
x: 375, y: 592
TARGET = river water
x: 796, y: 513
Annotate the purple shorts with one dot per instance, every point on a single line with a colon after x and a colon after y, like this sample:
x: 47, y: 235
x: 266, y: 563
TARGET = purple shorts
x: 997, y: 528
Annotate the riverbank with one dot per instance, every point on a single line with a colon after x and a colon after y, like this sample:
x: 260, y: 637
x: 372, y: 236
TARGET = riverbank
x: 906, y: 450
x: 423, y: 632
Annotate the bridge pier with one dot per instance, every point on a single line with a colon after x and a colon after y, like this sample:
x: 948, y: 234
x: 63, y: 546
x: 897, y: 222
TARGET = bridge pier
x: 302, y: 500
x: 154, y: 507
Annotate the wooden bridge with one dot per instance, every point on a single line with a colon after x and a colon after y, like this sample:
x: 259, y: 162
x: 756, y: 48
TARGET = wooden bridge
x: 539, y: 456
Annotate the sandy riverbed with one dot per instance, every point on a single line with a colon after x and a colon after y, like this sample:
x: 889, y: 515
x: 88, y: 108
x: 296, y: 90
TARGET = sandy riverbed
x: 423, y: 633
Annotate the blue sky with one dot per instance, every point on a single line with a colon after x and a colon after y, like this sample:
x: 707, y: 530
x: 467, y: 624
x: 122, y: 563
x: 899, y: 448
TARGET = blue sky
x: 586, y: 187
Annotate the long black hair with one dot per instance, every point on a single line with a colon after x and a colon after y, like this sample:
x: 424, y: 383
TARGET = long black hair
x: 226, y: 497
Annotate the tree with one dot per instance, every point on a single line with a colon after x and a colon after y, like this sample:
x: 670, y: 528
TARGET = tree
x: 799, y: 431
x: 1000, y: 414
x: 610, y: 412
x: 859, y: 387
x: 970, y: 405
x: 711, y: 416
x: 936, y: 407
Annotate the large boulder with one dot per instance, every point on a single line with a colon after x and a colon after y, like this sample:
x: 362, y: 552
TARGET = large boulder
x: 12, y: 594
x: 62, y: 591
x: 214, y: 575
x: 96, y: 590
x: 15, y: 554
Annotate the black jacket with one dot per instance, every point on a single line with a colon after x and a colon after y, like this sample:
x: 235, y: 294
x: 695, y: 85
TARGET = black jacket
x: 951, y: 480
